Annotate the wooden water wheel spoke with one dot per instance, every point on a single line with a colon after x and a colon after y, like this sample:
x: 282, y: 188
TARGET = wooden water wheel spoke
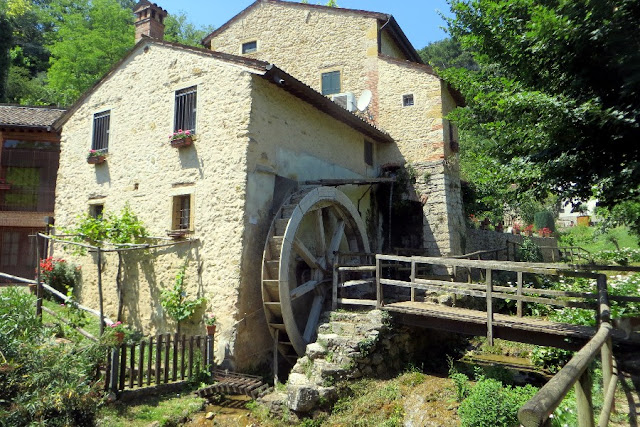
x: 309, y: 227
x: 304, y: 289
x: 301, y: 249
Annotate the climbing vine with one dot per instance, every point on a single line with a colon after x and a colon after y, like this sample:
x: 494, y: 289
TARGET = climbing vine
x: 111, y: 228
x: 175, y: 301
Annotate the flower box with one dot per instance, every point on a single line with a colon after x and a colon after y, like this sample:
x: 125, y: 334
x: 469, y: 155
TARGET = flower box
x: 182, y: 142
x: 96, y: 160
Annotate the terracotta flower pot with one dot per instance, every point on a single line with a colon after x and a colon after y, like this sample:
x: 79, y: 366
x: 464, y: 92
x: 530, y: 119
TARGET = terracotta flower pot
x: 96, y: 160
x: 211, y: 329
x: 182, y: 142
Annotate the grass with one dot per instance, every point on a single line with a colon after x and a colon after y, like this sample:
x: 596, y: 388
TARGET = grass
x: 592, y: 240
x: 166, y: 410
x: 90, y: 322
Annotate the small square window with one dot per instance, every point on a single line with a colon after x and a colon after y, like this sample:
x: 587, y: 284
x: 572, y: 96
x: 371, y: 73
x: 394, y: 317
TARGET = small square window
x: 181, y: 212
x: 407, y: 100
x: 185, y: 112
x: 95, y: 211
x: 331, y: 83
x: 249, y: 47
x: 101, y: 123
x: 368, y: 153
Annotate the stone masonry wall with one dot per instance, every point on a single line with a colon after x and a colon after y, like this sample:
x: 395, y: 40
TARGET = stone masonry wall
x: 144, y: 171
x: 479, y: 240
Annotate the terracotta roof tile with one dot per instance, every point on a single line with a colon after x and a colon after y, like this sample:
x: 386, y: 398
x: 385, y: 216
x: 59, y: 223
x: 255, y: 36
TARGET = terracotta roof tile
x: 16, y: 115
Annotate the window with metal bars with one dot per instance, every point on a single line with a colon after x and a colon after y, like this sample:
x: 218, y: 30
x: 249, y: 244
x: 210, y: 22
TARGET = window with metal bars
x: 182, y: 212
x: 101, y: 131
x: 185, y: 112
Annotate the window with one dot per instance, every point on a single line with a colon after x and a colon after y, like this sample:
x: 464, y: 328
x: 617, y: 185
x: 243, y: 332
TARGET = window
x: 368, y: 153
x: 331, y: 82
x: 10, y: 250
x: 249, y: 47
x: 181, y: 212
x: 101, y: 131
x: 407, y: 100
x: 185, y: 112
x: 96, y: 211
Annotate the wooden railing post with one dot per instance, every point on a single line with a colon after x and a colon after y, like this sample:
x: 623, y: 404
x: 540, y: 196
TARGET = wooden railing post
x: 489, y: 307
x: 379, y: 298
x: 413, y: 280
x: 334, y: 290
x: 583, y: 399
x: 39, y: 280
x: 519, y: 293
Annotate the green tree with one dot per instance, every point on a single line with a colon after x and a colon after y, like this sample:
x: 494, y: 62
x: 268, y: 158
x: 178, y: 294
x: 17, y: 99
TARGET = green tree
x: 180, y: 30
x: 90, y: 38
x: 555, y: 101
x: 5, y: 46
x: 447, y: 53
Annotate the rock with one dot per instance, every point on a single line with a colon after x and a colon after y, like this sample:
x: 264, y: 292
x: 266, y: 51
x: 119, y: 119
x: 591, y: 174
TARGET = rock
x: 296, y: 379
x: 377, y: 359
x: 210, y: 415
x: 302, y: 398
x: 445, y: 300
x: 316, y: 351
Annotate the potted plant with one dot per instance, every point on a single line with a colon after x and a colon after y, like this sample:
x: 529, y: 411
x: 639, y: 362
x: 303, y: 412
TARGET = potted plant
x: 119, y: 330
x: 181, y: 138
x: 96, y: 157
x: 210, y: 323
x: 544, y: 232
x: 528, y: 230
x: 516, y: 228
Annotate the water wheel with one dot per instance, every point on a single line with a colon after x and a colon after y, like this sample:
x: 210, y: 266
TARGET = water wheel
x: 297, y: 266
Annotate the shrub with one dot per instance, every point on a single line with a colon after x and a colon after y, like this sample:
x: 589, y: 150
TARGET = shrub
x: 60, y: 275
x: 529, y: 251
x: 544, y: 219
x: 43, y: 381
x: 491, y: 404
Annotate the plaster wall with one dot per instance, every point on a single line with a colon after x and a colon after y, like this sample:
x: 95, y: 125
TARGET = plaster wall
x: 144, y: 171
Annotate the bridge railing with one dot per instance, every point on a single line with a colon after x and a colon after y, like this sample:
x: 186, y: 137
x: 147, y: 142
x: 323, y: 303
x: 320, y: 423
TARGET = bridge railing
x: 448, y: 268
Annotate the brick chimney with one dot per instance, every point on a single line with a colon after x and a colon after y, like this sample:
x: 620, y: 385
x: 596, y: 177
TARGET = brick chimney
x: 149, y: 20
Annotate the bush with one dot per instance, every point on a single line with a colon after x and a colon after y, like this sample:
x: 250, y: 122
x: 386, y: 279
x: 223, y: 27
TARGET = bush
x: 544, y: 219
x: 529, y: 251
x: 43, y: 381
x: 490, y: 404
x: 59, y: 274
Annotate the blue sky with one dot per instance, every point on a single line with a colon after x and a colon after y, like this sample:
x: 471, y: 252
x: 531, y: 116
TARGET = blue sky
x: 418, y: 18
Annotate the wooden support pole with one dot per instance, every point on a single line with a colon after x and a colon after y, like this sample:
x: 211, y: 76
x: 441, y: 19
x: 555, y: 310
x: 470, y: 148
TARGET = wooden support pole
x: 489, y: 307
x: 115, y: 371
x: 519, y: 293
x: 583, y: 399
x: 38, y: 280
x: 334, y: 289
x: 608, y: 406
x: 413, y: 279
x: 100, y: 298
x: 210, y: 358
x: 606, y: 354
x: 379, y: 300
x: 276, y: 338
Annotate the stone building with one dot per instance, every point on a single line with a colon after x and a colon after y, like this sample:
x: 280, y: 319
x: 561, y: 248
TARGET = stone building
x: 278, y: 178
x: 343, y: 53
x: 29, y: 152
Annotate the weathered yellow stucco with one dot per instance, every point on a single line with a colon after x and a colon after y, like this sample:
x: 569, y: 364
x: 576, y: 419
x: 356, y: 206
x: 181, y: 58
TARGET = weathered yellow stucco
x: 247, y: 132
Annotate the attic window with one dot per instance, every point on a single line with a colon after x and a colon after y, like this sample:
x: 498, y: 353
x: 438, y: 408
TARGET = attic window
x: 407, y: 100
x: 331, y: 83
x: 249, y: 47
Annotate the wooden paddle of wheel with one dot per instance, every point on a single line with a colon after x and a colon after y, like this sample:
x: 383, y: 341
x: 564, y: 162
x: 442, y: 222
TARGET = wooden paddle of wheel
x: 311, y: 225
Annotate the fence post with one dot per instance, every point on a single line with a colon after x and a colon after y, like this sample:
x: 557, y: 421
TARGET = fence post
x: 489, y: 307
x: 583, y: 399
x: 413, y: 280
x: 334, y: 289
x: 378, y: 284
x: 519, y: 293
x: 100, y: 298
x: 39, y: 279
x: 210, y: 361
x: 115, y: 371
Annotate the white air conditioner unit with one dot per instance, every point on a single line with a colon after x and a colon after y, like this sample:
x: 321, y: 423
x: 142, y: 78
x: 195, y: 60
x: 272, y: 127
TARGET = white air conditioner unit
x: 346, y: 100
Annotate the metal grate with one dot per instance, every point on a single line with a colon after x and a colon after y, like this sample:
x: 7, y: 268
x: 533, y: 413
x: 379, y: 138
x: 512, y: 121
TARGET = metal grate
x: 185, y: 113
x: 101, y: 131
x: 182, y: 212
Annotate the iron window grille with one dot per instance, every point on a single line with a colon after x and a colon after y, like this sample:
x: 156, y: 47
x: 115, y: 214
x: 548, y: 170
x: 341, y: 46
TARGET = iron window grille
x: 101, y: 123
x: 185, y: 113
x: 407, y: 100
x: 182, y: 212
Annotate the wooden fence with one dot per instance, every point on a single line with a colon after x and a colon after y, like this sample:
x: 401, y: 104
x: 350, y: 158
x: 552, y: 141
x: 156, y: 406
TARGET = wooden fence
x: 158, y: 360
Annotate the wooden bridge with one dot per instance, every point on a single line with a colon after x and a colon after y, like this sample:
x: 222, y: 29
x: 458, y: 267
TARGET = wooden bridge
x: 407, y: 287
